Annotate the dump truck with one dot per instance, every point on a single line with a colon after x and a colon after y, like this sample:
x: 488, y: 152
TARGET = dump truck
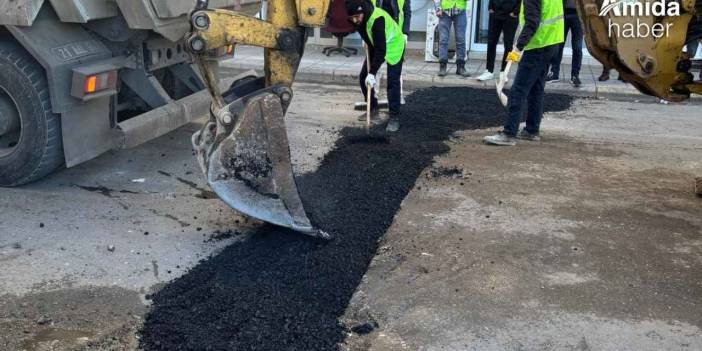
x: 81, y: 77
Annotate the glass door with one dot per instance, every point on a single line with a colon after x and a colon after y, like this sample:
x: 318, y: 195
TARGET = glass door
x: 479, y: 20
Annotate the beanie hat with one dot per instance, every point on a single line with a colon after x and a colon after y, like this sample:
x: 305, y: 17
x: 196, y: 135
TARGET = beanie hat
x: 355, y: 7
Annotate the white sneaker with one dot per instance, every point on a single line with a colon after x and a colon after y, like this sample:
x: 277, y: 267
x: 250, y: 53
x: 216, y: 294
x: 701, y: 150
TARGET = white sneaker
x: 487, y: 75
x: 504, y: 76
x: 500, y: 139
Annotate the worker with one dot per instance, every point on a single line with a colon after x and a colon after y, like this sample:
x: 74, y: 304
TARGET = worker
x: 572, y: 24
x: 385, y: 43
x: 502, y: 21
x: 542, y: 33
x: 400, y: 11
x: 452, y: 12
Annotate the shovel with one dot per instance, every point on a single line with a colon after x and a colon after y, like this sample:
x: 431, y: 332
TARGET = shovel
x: 368, y: 91
x: 500, y: 82
x: 371, y: 134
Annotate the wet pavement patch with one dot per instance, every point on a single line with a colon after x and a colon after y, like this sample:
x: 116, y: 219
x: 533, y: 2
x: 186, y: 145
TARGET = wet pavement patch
x: 279, y: 290
x: 204, y: 193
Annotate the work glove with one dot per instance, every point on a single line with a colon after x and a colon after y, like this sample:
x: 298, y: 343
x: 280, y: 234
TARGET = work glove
x: 406, y: 37
x: 371, y: 81
x: 514, y: 56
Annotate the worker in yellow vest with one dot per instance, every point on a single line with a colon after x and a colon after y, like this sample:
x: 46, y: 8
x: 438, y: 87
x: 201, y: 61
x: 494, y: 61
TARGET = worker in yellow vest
x: 542, y: 29
x: 452, y: 12
x: 385, y: 43
x: 400, y: 11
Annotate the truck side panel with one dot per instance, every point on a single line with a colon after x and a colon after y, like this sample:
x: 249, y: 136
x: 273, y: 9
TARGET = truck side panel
x: 59, y: 47
x: 168, y: 18
x: 81, y: 11
x: 19, y: 12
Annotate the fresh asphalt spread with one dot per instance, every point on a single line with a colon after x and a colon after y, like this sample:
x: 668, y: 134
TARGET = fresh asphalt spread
x: 279, y: 290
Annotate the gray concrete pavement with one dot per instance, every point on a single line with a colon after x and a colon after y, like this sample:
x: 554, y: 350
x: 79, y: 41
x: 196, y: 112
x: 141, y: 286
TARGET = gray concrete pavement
x: 589, y: 240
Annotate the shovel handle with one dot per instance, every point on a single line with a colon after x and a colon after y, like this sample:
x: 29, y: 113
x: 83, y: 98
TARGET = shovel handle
x: 500, y: 82
x: 368, y: 88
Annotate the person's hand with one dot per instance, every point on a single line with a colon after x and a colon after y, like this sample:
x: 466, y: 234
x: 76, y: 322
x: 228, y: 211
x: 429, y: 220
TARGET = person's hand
x: 370, y: 81
x: 491, y: 11
x: 406, y: 37
x: 514, y: 56
x: 439, y: 12
x: 513, y: 15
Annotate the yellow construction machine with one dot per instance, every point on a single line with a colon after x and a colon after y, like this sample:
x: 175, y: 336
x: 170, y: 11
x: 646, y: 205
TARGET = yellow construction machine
x: 643, y: 40
x: 243, y: 148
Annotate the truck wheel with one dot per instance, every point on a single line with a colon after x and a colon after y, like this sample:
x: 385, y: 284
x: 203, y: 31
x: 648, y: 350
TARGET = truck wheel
x: 30, y: 134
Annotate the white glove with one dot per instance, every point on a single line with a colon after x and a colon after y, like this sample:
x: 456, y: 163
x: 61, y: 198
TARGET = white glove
x: 371, y: 82
x: 406, y: 38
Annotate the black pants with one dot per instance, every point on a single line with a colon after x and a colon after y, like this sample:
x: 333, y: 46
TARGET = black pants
x: 528, y: 87
x: 394, y: 93
x: 572, y: 24
x: 498, y: 25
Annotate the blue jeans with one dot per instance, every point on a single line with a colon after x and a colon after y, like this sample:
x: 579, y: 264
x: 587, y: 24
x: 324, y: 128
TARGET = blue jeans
x: 459, y: 22
x: 529, y: 84
x: 572, y: 23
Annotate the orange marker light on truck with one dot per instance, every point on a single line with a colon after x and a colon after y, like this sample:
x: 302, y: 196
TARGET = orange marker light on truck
x: 90, y: 84
x: 99, y: 82
x: 94, y: 81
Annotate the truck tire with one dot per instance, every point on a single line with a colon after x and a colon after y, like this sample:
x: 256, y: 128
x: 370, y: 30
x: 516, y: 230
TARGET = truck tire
x: 30, y: 133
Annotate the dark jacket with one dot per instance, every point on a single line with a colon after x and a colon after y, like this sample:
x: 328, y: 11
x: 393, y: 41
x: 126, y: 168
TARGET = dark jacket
x: 376, y: 51
x: 390, y: 6
x: 503, y: 8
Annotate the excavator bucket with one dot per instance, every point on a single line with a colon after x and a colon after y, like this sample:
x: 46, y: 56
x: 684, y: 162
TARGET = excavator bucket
x: 244, y: 152
x: 243, y: 149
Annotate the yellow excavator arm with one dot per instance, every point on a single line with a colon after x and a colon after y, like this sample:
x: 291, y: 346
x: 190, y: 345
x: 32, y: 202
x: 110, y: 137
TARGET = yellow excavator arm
x: 243, y: 149
x: 643, y: 41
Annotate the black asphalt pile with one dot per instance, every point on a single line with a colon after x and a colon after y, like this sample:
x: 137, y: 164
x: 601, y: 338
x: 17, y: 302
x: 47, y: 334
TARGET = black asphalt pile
x: 280, y: 290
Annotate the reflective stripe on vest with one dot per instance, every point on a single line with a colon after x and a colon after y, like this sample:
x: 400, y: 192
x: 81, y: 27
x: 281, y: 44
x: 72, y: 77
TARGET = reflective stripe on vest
x: 394, y: 41
x: 551, y: 25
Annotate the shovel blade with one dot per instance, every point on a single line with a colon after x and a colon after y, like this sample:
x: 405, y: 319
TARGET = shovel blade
x: 500, y: 85
x: 247, y: 161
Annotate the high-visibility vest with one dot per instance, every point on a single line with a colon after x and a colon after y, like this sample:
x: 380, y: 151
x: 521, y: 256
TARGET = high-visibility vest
x: 449, y: 4
x: 551, y: 26
x: 394, y: 41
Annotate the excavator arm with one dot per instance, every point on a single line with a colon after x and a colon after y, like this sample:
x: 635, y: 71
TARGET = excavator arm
x: 620, y: 34
x: 243, y: 149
